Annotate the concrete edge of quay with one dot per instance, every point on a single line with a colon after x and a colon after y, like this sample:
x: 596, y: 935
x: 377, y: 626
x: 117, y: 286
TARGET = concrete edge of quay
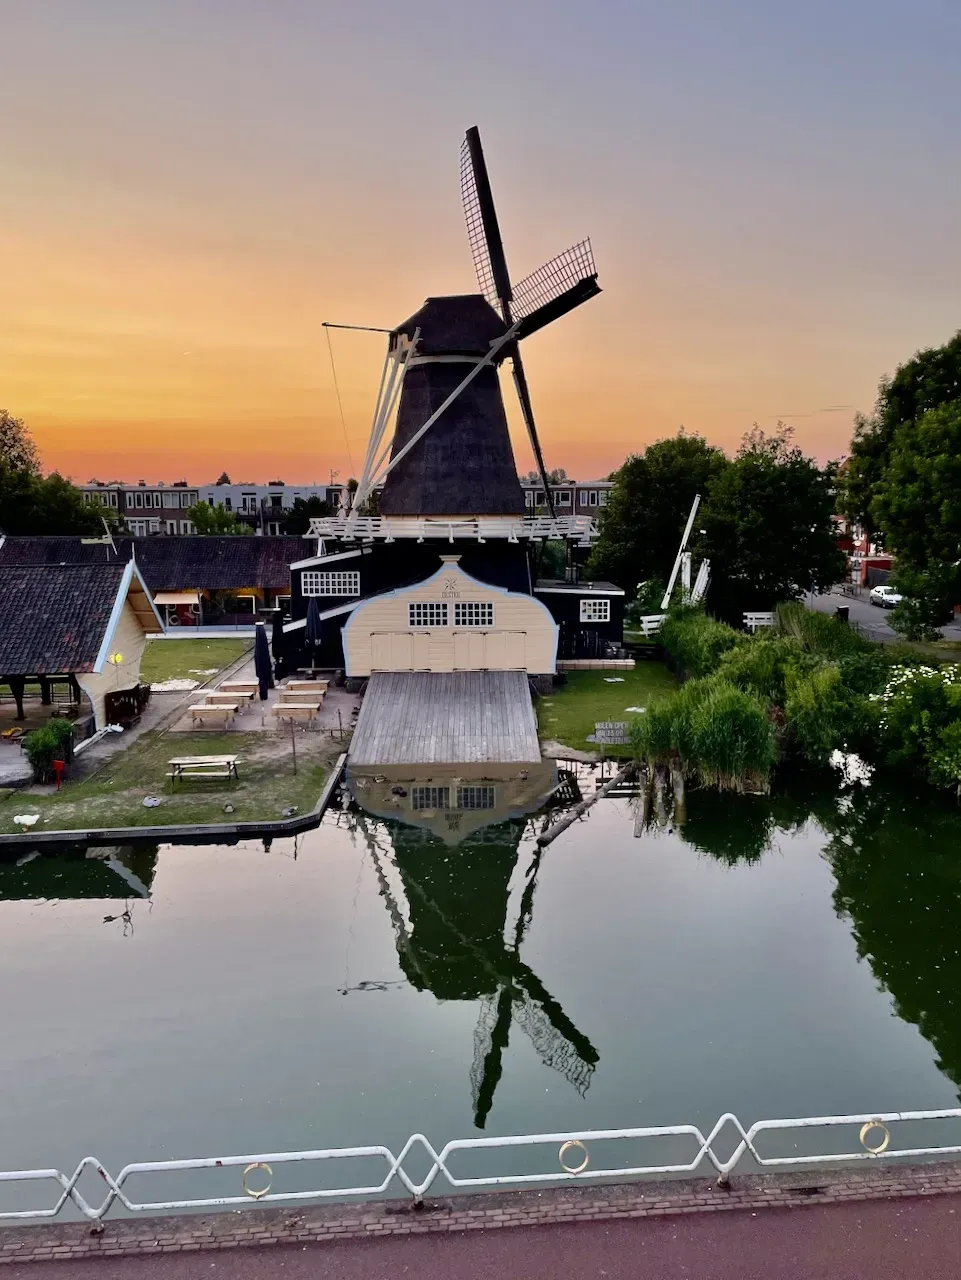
x: 258, y: 1227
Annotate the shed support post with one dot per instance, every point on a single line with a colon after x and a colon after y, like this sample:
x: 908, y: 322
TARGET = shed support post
x: 44, y: 691
x: 17, y: 685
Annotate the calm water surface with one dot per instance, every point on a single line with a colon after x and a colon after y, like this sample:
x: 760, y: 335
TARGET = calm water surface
x: 794, y: 956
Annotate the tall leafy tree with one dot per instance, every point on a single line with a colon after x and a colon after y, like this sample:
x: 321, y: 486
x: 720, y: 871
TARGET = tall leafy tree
x: 770, y: 532
x: 216, y: 520
x: 930, y: 378
x: 31, y: 503
x: 298, y: 519
x: 17, y: 449
x: 917, y: 501
x: 646, y: 511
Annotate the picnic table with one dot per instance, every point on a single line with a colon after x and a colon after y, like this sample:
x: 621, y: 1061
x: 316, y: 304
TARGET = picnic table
x: 296, y: 710
x: 202, y: 767
x: 221, y: 697
x: 306, y: 686
x: 213, y: 710
x: 239, y: 686
x: 286, y: 696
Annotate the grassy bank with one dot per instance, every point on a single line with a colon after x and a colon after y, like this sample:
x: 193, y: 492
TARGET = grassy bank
x: 182, y: 659
x: 570, y: 713
x: 114, y: 795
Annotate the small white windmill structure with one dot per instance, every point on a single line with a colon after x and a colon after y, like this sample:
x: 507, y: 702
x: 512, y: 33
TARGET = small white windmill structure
x: 652, y: 622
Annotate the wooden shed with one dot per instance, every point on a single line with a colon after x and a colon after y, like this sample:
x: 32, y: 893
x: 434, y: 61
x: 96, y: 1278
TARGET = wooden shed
x: 450, y: 622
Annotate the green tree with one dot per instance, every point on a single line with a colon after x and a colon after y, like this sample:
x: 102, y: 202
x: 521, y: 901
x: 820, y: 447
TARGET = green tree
x: 770, y: 532
x: 297, y: 521
x: 31, y: 503
x: 216, y: 520
x: 223, y: 478
x: 648, y: 507
x: 930, y: 378
x: 917, y: 499
x: 17, y: 449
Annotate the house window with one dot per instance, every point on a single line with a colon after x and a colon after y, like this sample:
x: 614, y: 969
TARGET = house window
x: 138, y: 499
x: 330, y: 582
x: 475, y: 797
x: 248, y: 503
x: 171, y: 526
x: 563, y: 498
x: 430, y: 797
x: 427, y: 613
x: 595, y: 611
x: 170, y: 500
x: 137, y: 527
x: 273, y: 528
x: 186, y: 527
x: 188, y: 499
x: 602, y: 500
x: 473, y: 613
x: 528, y: 498
x: 592, y: 498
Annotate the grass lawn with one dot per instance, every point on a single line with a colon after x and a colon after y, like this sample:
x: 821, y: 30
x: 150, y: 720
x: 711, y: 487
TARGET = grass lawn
x: 570, y: 713
x: 113, y: 796
x: 173, y: 659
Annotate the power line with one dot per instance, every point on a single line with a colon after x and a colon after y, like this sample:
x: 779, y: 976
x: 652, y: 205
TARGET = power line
x: 340, y: 403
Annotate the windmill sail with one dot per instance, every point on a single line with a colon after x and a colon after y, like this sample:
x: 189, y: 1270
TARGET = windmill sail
x: 555, y: 288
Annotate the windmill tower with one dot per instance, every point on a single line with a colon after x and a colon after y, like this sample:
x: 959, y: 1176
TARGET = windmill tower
x: 439, y: 467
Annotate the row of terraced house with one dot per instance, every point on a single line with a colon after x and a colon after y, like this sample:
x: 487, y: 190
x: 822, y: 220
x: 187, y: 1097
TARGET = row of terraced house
x: 160, y: 508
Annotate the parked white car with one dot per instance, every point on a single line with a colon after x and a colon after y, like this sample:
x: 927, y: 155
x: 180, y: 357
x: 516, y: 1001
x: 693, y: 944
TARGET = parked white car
x: 885, y: 597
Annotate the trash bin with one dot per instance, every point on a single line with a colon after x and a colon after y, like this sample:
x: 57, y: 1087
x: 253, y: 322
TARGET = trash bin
x: 841, y: 613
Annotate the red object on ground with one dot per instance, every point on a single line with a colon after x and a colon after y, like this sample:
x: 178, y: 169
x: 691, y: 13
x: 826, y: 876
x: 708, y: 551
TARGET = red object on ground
x: 59, y: 769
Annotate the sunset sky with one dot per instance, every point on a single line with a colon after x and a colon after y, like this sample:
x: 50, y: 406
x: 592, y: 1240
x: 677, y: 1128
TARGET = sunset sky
x: 189, y: 188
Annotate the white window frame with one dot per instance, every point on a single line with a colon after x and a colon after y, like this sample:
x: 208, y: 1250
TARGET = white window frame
x: 528, y: 498
x: 602, y: 498
x: 428, y: 613
x: 595, y: 610
x: 473, y: 613
x: 429, y: 797
x: 476, y: 797
x: 563, y: 498
x: 592, y: 498
x: 330, y: 582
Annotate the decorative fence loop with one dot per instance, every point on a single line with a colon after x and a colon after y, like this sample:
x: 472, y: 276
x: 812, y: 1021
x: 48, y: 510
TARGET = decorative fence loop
x: 394, y: 1176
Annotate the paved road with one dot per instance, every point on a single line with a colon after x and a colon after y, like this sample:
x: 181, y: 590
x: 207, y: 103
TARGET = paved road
x: 915, y: 1238
x: 871, y: 620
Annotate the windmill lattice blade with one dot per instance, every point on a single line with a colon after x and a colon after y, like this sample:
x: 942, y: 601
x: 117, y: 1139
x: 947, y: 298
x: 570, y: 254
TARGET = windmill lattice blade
x: 554, y: 278
x: 483, y: 232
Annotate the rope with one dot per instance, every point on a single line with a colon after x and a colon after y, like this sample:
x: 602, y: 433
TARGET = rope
x: 340, y: 403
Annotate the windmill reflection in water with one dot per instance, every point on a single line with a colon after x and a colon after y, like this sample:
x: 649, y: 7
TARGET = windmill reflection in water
x: 459, y: 917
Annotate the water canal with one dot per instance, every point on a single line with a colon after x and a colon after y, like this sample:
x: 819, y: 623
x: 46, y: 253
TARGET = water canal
x: 799, y: 955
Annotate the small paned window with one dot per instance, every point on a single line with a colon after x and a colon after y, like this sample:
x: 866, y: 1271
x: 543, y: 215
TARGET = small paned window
x: 563, y: 498
x: 430, y: 797
x: 595, y: 611
x: 473, y: 613
x: 475, y: 797
x: 592, y: 498
x: 427, y: 613
x: 330, y: 582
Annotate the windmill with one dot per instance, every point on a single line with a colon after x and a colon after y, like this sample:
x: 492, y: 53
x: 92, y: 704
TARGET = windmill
x: 450, y: 452
x: 458, y: 950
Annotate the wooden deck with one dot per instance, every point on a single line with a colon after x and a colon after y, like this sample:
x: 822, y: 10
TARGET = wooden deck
x: 421, y: 717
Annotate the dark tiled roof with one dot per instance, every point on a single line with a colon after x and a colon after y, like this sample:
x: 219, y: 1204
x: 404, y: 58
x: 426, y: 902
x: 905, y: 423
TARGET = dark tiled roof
x: 53, y: 617
x: 461, y: 324
x: 170, y: 563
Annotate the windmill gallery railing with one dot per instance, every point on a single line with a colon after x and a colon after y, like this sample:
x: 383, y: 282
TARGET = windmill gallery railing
x: 581, y: 1155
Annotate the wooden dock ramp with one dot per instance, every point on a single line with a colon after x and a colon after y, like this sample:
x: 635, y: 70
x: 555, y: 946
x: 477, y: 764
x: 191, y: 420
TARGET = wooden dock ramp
x: 425, y: 717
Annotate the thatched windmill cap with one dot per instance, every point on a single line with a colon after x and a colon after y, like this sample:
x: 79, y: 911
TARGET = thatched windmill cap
x: 456, y: 324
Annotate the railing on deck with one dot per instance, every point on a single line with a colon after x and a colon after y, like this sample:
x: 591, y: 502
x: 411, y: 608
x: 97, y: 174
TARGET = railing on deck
x: 862, y: 1137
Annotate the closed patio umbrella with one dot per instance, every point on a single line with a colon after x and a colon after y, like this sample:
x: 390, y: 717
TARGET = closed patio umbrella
x: 262, y: 665
x: 313, y: 627
x: 277, y: 646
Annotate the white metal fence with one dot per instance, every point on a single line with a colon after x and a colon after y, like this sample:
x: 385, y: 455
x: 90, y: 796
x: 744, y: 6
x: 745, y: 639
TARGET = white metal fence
x: 570, y: 1157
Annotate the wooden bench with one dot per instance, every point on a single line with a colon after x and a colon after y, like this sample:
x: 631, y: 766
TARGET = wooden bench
x: 296, y: 710
x: 219, y: 698
x: 240, y: 686
x: 224, y: 711
x: 202, y: 767
x: 305, y: 686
